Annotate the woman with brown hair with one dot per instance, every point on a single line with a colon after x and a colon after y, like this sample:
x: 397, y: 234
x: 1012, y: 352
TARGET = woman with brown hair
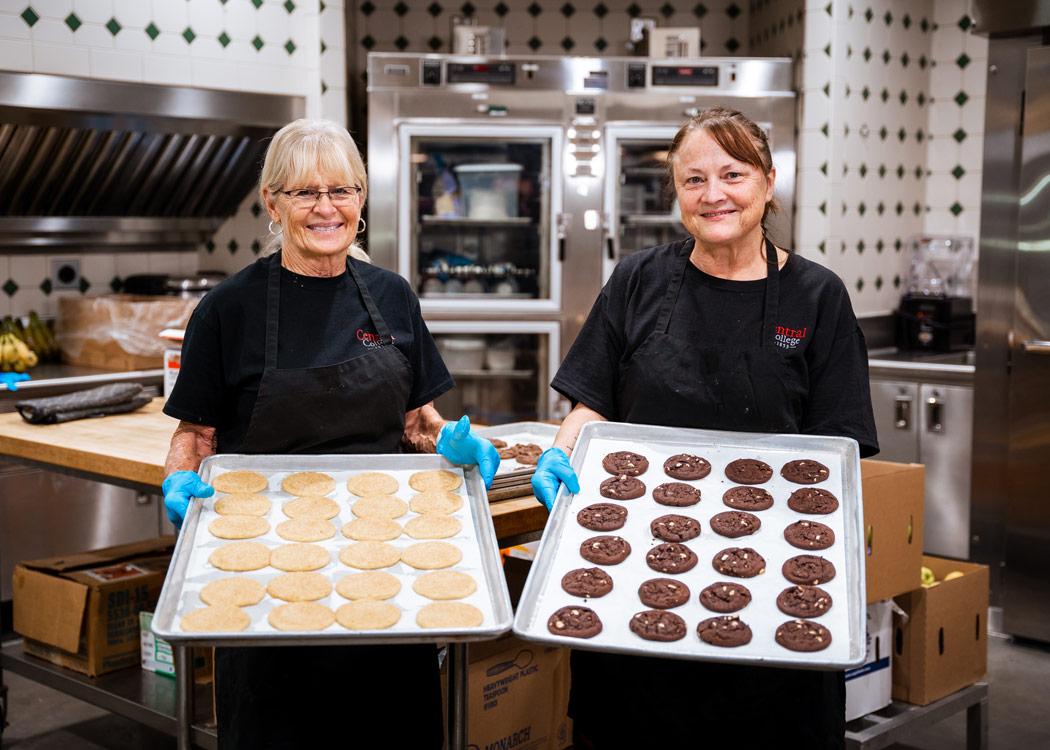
x: 723, y: 331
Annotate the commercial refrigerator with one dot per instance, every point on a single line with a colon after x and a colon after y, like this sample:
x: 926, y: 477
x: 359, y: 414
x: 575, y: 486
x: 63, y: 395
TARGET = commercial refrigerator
x: 506, y: 189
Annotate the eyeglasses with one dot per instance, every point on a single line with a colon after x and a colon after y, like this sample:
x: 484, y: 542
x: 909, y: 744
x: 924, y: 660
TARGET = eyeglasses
x: 339, y: 196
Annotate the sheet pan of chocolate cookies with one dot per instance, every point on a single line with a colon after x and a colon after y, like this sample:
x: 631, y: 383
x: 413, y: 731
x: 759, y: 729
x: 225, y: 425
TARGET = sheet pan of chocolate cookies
x: 707, y: 545
x: 335, y: 549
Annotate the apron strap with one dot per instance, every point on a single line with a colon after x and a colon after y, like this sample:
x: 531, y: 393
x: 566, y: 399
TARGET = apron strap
x: 769, y: 314
x: 673, y: 288
x: 385, y: 339
x: 273, y: 306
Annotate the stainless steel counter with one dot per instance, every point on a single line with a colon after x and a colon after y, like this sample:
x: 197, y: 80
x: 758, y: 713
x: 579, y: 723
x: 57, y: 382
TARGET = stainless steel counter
x: 951, y: 368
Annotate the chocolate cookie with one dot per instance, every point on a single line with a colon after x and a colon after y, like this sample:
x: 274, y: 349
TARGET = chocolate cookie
x: 747, y: 498
x: 523, y: 453
x: 658, y: 625
x: 663, y: 593
x: 749, y: 471
x: 734, y: 523
x: 803, y: 635
x: 809, y: 535
x: 671, y: 558
x: 605, y: 550
x: 622, y: 487
x: 575, y: 622
x: 687, y: 466
x: 808, y: 569
x: 728, y: 631
x: 675, y: 528
x: 804, y: 601
x: 498, y: 444
x: 725, y: 596
x: 625, y: 462
x: 739, y: 562
x: 676, y: 494
x: 813, y: 500
x: 587, y: 582
x: 602, y: 517
x: 804, y: 471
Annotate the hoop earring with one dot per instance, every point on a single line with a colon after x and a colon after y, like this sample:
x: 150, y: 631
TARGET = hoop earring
x: 361, y: 225
x: 279, y: 229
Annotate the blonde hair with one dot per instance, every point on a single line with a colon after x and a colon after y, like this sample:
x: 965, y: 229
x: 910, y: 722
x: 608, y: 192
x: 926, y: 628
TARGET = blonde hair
x: 303, y: 148
x: 737, y: 134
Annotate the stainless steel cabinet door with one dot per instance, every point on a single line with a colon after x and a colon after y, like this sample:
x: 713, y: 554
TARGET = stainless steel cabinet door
x: 945, y: 446
x: 896, y: 406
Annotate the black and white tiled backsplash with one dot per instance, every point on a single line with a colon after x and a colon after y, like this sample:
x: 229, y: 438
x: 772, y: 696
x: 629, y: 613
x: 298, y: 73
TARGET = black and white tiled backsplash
x: 890, y: 135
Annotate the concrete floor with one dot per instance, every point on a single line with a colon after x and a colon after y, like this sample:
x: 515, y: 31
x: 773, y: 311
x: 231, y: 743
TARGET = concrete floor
x: 1018, y: 673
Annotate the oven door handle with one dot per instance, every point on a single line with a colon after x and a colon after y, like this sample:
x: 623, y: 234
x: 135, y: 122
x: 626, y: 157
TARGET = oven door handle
x: 1036, y: 346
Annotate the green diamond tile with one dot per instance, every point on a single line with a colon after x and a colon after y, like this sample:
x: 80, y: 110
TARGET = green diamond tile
x: 844, y: 208
x: 862, y: 209
x: 232, y: 246
x: 188, y: 35
x: 568, y: 9
x: 45, y: 286
x: 897, y: 282
x: 600, y: 10
x: 920, y: 136
x: 880, y: 209
x: 902, y: 134
x: 865, y: 93
x: 958, y: 172
x: 959, y: 135
x: 886, y: 57
x: 956, y: 208
x: 924, y: 25
x: 84, y: 285
x: 961, y: 98
x: 401, y: 9
x: 30, y: 17
x: 824, y: 169
x: 905, y: 60
x: 867, y: 54
x: 882, y: 170
x: 842, y: 246
x: 903, y: 96
x: 888, y: 18
x: 860, y: 285
x: 401, y: 42
x: 535, y: 9
x: 434, y: 43
x: 885, y: 95
x: 324, y: 47
x: 918, y: 172
x: 898, y: 245
x: 322, y: 6
x: 827, y: 89
x: 73, y: 22
x: 256, y: 247
x: 10, y: 287
x: 116, y: 284
x: 824, y: 208
x: 152, y: 31
x: 256, y: 209
x: 899, y: 208
x: 863, y: 170
x: 962, y: 60
x: 367, y: 8
x: 210, y: 246
x: 849, y: 51
x: 883, y: 133
x: 224, y: 39
x: 289, y: 46
x: 733, y: 10
x: 824, y: 129
x: 435, y: 9
x: 633, y: 10
x: 258, y: 43
x: 823, y: 247
x: 921, y: 98
x: 900, y: 171
x: 468, y: 9
x: 917, y: 208
x: 113, y: 26
x: 289, y: 6
x: 368, y: 41
x: 965, y: 23
x: 600, y: 44
x: 257, y: 3
x: 324, y: 87
x: 868, y: 15
x: 923, y: 62
x: 567, y: 43
x: 880, y: 245
x: 827, y: 49
x: 534, y: 43
x: 878, y: 282
x: 827, y: 9
x: 906, y: 21
x: 732, y: 45
x: 860, y: 246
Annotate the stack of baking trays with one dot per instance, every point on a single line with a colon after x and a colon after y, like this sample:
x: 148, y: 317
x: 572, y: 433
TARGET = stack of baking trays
x: 520, y: 445
x: 696, y: 544
x: 335, y: 549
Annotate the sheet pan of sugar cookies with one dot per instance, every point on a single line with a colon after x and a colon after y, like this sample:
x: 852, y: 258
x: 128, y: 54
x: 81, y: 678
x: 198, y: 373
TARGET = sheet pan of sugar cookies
x: 335, y: 549
x: 519, y: 444
x: 705, y: 545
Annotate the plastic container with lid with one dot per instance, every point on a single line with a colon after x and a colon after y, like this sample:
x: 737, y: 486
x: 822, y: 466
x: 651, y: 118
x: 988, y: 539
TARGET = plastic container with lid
x: 462, y: 352
x: 489, y: 191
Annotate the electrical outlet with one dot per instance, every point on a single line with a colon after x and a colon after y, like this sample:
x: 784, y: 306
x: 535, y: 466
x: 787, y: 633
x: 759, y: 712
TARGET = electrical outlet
x: 65, y: 274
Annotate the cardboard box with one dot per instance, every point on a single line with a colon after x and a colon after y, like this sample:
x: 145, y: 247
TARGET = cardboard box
x: 893, y: 504
x: 943, y: 645
x: 157, y: 656
x: 118, y: 331
x: 518, y: 696
x: 82, y: 611
x: 869, y: 686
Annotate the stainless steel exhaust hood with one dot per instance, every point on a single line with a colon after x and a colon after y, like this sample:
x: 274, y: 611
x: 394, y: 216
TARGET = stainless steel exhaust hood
x: 100, y: 164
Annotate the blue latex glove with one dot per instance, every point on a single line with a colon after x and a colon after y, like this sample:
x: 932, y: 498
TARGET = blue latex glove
x: 461, y: 445
x: 12, y: 379
x: 551, y: 470
x: 179, y: 488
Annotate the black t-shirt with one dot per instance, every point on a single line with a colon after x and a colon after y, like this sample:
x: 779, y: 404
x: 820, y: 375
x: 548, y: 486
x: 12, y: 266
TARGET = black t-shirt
x: 814, y: 320
x: 323, y: 321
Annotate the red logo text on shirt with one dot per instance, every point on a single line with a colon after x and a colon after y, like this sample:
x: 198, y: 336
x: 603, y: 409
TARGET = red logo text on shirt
x: 789, y: 338
x: 369, y: 340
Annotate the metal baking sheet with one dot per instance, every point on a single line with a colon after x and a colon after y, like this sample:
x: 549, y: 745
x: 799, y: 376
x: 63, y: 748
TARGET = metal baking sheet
x: 190, y: 569
x: 559, y: 549
x: 520, y: 432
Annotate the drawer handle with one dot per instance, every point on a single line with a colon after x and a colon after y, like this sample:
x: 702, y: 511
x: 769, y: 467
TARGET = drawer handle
x: 1037, y: 347
x: 902, y: 412
x: 935, y: 414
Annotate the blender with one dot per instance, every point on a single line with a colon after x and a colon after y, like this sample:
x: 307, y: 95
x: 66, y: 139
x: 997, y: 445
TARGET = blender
x: 936, y: 310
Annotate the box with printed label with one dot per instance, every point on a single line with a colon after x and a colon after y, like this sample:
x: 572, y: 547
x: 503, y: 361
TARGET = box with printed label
x: 942, y: 646
x: 158, y: 657
x: 518, y: 696
x: 893, y: 503
x: 82, y: 611
x: 869, y: 686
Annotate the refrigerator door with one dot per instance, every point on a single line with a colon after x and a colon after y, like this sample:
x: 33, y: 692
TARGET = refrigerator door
x: 639, y: 199
x: 1026, y: 605
x: 476, y: 206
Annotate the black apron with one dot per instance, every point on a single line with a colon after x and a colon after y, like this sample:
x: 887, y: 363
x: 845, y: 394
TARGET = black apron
x: 329, y: 696
x: 626, y: 701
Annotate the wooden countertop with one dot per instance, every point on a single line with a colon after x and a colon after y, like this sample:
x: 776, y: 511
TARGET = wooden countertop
x: 132, y: 448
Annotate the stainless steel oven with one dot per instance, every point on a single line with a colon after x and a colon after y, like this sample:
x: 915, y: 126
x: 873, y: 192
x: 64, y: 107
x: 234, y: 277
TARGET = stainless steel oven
x: 506, y: 189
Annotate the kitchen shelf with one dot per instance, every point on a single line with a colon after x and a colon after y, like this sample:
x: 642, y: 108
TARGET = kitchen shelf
x: 452, y: 221
x: 146, y: 697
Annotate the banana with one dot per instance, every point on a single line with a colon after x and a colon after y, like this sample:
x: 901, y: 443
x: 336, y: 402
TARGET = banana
x: 43, y: 333
x: 26, y: 356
